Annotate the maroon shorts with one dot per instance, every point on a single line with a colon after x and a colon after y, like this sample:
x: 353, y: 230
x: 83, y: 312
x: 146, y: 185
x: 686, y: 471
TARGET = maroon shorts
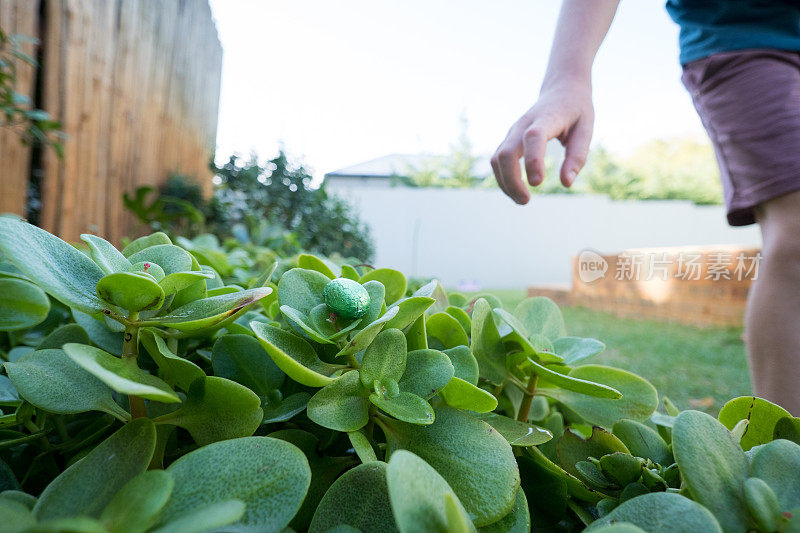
x: 749, y: 102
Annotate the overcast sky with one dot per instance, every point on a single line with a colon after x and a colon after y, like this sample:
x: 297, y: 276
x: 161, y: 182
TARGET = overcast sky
x: 341, y: 82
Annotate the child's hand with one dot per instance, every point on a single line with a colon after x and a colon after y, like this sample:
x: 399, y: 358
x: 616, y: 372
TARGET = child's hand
x: 564, y: 111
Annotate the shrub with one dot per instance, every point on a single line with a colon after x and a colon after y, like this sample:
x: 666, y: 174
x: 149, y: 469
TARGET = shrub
x: 249, y: 198
x: 148, y: 390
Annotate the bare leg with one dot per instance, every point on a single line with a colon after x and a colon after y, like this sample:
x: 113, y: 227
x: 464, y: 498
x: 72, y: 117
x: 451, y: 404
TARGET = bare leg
x: 772, y: 320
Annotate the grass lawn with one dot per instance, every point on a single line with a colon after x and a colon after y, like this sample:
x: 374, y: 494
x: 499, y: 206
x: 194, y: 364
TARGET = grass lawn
x: 697, y: 368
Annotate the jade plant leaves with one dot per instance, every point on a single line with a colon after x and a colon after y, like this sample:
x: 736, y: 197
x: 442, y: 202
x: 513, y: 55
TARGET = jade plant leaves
x: 62, y: 271
x: 365, y: 484
x: 22, y: 304
x: 574, y: 349
x: 465, y: 395
x: 465, y: 366
x: 122, y: 375
x: 154, y: 239
x: 541, y: 316
x: 643, y: 441
x: 301, y: 289
x: 575, y: 384
x: 573, y: 448
x: 133, y: 291
x: 224, y: 470
x: 419, y: 496
x: 408, y: 310
x: 546, y: 491
x: 516, y: 521
x: 217, y: 409
x: 639, y: 398
x: 105, y: 255
x: 63, y: 335
x: 86, y: 487
x: 486, y: 344
x: 515, y: 432
x: 341, y: 406
x: 210, y: 312
x: 447, y: 330
x: 661, y: 511
x: 169, y: 257
x: 293, y: 355
x: 777, y: 464
x: 426, y: 373
x: 181, y: 280
x: 52, y: 381
x: 174, y: 370
x: 384, y: 358
x: 713, y: 467
x: 761, y: 415
x: 476, y: 461
x: 206, y: 517
x: 241, y: 358
x: 393, y: 281
x: 310, y: 262
x: 363, y: 338
x: 406, y: 407
x: 135, y: 507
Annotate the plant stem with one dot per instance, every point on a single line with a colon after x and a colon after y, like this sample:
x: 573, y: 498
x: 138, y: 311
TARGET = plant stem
x: 525, y: 406
x: 130, y: 352
x: 499, y: 390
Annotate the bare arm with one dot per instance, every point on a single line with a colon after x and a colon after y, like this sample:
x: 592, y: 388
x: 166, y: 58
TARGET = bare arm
x: 564, y: 109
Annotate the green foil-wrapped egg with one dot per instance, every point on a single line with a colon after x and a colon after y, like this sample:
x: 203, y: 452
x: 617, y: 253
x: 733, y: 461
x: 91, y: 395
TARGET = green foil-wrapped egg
x: 346, y: 298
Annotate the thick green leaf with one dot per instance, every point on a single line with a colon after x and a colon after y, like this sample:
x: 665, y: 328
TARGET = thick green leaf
x: 574, y: 349
x: 639, y: 398
x: 341, y: 406
x: 87, y: 486
x: 385, y: 358
x: 293, y: 355
x: 573, y: 448
x: 131, y: 290
x: 105, y: 255
x: 486, y: 344
x: 17, y: 518
x: 52, y: 381
x: 778, y: 464
x: 326, y: 325
x: 210, y: 312
x: 178, y: 281
x: 310, y: 262
x: 476, y: 461
x: 408, y: 311
x: 297, y: 321
x: 169, y: 257
x: 241, y: 358
x: 515, y: 432
x: 517, y: 521
x: 22, y: 304
x: 122, y: 375
x: 661, y: 511
x: 217, y: 409
x: 406, y: 407
x: 788, y: 428
x: 225, y: 470
x: 541, y: 316
x: 99, y: 333
x: 62, y: 271
x: 362, y: 446
x: 462, y: 317
x: 350, y: 272
x: 393, y: 281
x: 416, y: 336
x: 418, y: 494
x: 713, y: 467
x: 150, y: 268
x: 301, y: 289
x: 154, y: 239
x: 206, y: 518
x: 447, y: 330
x: 643, y: 441
x: 377, y: 294
x: 135, y: 507
x: 360, y: 499
x: 464, y: 395
x: 63, y: 335
x: 761, y: 415
x: 427, y: 372
x: 465, y: 365
x: 173, y: 369
x: 363, y: 338
x: 570, y: 383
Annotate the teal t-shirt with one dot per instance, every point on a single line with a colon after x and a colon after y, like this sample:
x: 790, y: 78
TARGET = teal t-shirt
x: 712, y: 26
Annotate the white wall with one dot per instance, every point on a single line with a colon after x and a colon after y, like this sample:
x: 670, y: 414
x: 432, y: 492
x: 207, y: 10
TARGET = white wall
x: 461, y: 235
